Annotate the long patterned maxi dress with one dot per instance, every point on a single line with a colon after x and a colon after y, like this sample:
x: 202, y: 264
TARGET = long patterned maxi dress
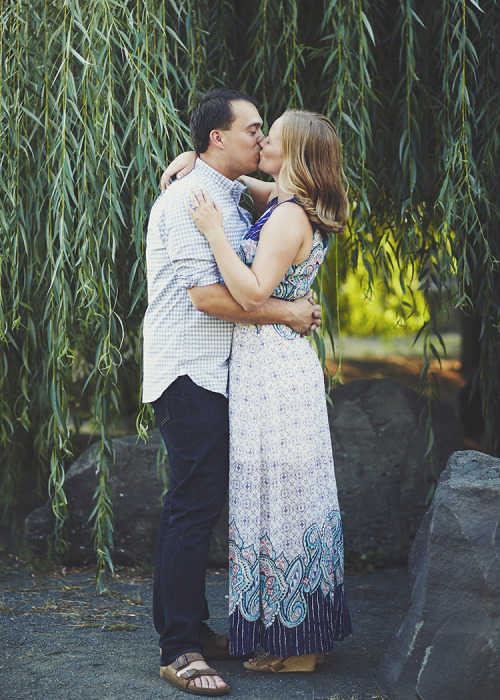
x: 285, y: 533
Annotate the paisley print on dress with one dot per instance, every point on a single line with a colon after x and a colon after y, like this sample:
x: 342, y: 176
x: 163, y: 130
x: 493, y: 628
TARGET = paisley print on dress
x: 282, y: 584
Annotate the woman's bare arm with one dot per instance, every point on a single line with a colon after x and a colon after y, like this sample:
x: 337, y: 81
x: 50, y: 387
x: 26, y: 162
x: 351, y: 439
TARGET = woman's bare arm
x: 261, y: 192
x: 282, y: 239
x: 180, y: 166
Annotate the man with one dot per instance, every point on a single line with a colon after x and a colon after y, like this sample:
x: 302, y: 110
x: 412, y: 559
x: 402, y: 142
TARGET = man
x: 187, y: 340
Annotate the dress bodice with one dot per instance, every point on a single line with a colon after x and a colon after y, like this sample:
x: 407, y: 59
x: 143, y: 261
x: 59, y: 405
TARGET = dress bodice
x: 298, y: 278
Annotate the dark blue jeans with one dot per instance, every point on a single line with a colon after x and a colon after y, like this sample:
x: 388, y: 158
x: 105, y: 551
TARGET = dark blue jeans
x: 194, y: 424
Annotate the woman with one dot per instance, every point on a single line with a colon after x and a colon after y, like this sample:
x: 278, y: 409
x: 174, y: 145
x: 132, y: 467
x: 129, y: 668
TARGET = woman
x: 286, y: 545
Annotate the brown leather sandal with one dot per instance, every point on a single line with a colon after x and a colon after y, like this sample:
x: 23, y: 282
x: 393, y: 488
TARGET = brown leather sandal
x: 182, y: 681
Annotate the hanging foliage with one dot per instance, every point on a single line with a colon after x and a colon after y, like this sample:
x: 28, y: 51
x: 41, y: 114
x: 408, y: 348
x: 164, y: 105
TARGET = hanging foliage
x: 94, y: 102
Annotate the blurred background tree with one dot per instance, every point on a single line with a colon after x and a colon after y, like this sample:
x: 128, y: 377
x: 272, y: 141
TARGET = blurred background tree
x: 94, y: 102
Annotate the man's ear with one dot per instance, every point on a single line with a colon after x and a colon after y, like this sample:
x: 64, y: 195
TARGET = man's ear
x: 216, y: 139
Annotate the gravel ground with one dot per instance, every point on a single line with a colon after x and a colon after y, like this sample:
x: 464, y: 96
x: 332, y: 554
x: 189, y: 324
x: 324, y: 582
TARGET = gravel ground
x: 63, y: 641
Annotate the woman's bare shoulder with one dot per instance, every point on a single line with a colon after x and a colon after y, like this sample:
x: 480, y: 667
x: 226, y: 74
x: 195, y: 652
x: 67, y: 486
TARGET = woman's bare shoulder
x: 291, y: 213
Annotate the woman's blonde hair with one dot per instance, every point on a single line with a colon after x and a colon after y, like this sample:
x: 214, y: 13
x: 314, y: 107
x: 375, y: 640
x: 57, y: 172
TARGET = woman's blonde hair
x: 312, y: 168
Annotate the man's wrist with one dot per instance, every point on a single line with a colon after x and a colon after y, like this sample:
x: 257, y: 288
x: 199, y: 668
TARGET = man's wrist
x: 278, y: 311
x: 289, y: 316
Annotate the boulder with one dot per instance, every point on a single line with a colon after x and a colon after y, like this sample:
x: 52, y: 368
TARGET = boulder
x: 136, y: 490
x: 383, y: 473
x: 448, y: 647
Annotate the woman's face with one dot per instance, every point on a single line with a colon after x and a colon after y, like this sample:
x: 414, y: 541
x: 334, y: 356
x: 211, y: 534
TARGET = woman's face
x: 271, y: 155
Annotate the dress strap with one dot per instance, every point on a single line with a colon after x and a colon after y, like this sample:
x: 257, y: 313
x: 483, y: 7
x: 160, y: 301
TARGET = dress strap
x: 274, y: 203
x: 254, y: 232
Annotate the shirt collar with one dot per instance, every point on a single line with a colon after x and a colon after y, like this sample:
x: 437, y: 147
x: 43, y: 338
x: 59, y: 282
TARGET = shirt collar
x: 234, y: 188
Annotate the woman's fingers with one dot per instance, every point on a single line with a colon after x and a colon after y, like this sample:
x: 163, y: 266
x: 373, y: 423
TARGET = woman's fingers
x: 165, y: 181
x: 206, y: 213
x: 167, y: 176
x: 202, y: 196
x: 180, y: 166
x: 199, y: 197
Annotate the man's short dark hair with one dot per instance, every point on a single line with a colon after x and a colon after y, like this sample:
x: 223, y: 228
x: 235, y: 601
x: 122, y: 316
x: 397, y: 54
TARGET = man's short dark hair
x: 213, y: 111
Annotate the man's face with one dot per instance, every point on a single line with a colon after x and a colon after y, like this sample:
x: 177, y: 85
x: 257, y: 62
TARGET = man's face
x: 241, y: 141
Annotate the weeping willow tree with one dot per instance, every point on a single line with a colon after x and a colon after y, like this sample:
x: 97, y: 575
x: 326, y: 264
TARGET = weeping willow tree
x: 94, y: 101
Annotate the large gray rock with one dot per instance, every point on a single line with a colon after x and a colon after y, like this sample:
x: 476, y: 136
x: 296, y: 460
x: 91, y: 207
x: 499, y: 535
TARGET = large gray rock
x: 383, y: 473
x: 448, y: 647
x: 136, y: 491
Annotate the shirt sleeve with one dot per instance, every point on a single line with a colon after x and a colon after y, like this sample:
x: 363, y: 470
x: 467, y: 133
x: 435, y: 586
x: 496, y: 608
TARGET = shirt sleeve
x: 188, y: 249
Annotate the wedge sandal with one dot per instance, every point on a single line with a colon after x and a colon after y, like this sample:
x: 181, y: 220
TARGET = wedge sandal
x: 266, y: 663
x: 182, y: 681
